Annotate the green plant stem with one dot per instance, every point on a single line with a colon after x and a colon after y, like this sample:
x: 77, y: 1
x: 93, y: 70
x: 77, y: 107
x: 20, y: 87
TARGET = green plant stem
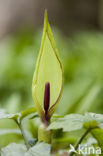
x: 23, y: 135
x: 44, y: 134
x: 80, y: 140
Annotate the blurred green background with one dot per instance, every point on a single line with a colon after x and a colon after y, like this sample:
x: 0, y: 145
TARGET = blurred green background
x: 81, y: 52
x: 82, y: 58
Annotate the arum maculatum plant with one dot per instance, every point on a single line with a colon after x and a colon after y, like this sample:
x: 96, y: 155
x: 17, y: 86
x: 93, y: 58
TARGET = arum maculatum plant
x: 47, y: 87
x: 47, y: 82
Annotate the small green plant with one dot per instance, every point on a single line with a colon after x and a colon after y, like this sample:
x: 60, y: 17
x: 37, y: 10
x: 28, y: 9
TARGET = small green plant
x: 57, y: 135
x: 48, y: 80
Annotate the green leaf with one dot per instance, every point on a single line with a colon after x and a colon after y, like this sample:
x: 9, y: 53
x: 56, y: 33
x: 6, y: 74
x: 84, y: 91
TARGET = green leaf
x: 48, y: 69
x: 93, y: 120
x: 18, y: 116
x: 14, y: 149
x: 68, y: 123
x: 5, y: 115
x: 75, y: 122
x: 40, y: 149
x: 27, y: 112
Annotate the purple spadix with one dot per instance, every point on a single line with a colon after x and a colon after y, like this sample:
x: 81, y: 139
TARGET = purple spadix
x: 47, y: 97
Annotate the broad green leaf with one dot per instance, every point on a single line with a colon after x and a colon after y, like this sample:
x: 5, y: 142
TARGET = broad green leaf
x: 93, y: 120
x: 75, y: 122
x: 68, y: 123
x: 18, y: 116
x: 48, y: 69
x: 14, y: 149
x: 5, y: 115
x: 40, y: 149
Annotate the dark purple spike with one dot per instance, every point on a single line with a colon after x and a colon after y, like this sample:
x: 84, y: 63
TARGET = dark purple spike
x: 47, y: 97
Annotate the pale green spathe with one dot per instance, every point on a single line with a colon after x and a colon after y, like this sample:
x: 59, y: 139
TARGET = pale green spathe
x: 48, y: 69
